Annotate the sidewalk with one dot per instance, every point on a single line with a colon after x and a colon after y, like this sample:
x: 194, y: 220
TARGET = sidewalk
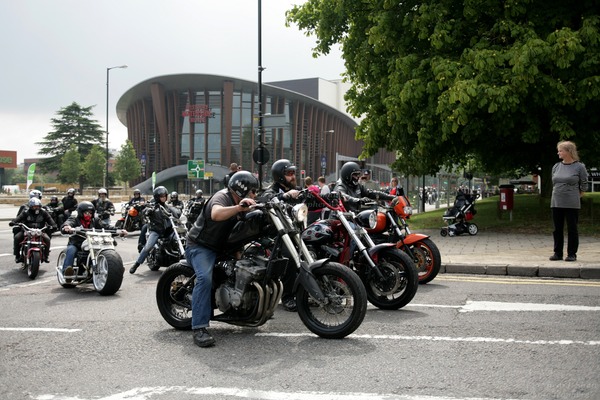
x: 489, y: 253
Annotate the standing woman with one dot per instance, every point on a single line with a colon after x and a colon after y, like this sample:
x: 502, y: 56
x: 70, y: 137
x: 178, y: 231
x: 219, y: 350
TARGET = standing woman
x: 569, y: 181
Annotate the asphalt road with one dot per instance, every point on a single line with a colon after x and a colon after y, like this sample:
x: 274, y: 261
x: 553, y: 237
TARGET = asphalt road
x: 462, y: 337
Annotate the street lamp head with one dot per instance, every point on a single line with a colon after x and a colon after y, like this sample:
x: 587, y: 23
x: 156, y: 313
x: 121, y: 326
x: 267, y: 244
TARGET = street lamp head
x: 119, y: 66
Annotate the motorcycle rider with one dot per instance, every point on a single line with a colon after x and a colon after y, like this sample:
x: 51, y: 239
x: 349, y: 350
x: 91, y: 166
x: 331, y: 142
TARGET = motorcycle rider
x: 69, y: 203
x: 175, y: 202
x: 193, y: 207
x: 56, y: 210
x: 284, y: 187
x: 158, y: 223
x: 137, y: 197
x: 83, y: 217
x: 34, y: 217
x: 33, y: 194
x: 353, y: 191
x: 207, y: 238
x: 104, y: 207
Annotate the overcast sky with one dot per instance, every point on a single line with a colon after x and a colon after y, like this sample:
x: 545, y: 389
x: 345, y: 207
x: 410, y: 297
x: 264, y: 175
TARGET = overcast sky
x: 56, y: 52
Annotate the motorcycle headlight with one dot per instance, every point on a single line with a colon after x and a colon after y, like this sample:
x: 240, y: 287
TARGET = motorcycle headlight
x: 367, y: 219
x: 300, y: 212
x: 408, y: 210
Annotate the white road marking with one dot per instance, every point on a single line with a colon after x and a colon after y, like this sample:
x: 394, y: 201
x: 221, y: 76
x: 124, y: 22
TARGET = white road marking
x: 473, y: 339
x: 145, y: 393
x: 501, y: 306
x: 41, y: 330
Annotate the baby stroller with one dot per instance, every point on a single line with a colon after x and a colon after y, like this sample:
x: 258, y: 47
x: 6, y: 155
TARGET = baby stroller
x: 460, y: 215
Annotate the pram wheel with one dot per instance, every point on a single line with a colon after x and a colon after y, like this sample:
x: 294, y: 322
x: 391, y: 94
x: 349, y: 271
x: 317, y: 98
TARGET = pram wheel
x: 473, y: 229
x: 444, y: 232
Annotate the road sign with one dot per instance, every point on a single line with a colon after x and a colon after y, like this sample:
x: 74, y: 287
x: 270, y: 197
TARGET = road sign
x: 195, y: 169
x: 208, y: 175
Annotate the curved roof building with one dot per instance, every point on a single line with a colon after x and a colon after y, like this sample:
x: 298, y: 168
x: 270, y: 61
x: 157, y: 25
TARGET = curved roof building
x: 175, y: 118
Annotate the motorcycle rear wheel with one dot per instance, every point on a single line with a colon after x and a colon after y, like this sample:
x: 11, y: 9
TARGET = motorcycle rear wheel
x: 347, y: 302
x: 400, y: 280
x: 33, y: 266
x: 174, y: 296
x: 59, y: 276
x: 109, y: 275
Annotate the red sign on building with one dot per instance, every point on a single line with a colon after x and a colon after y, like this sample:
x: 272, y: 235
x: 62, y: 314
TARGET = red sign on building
x: 197, y: 112
x: 8, y: 159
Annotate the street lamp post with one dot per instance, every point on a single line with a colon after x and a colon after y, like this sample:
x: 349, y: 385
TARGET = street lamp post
x: 107, y: 154
x: 324, y: 155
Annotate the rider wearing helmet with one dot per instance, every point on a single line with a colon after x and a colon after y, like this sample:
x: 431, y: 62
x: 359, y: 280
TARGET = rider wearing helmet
x: 104, y: 207
x: 32, y: 194
x: 208, y: 237
x: 34, y: 217
x: 83, y: 217
x: 158, y: 223
x: 137, y: 197
x: 56, y: 210
x: 352, y: 190
x: 193, y: 207
x: 69, y: 202
x: 175, y: 202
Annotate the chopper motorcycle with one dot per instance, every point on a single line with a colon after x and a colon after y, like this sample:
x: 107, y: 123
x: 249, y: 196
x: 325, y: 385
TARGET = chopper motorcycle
x: 389, y: 275
x: 392, y: 227
x: 330, y: 297
x: 32, y: 250
x: 97, y: 261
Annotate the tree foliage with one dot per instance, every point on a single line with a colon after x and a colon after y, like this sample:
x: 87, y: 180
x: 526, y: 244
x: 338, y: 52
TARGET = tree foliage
x: 127, y: 165
x: 441, y: 81
x: 70, y: 167
x: 72, y: 126
x: 93, y: 166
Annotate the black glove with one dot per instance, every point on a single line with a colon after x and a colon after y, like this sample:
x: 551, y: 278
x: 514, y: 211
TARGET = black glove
x: 11, y: 223
x: 365, y: 200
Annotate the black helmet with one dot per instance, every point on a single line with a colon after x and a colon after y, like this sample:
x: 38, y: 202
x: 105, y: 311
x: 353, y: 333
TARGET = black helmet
x: 280, y: 168
x: 160, y: 191
x: 242, y: 182
x: 350, y: 173
x: 174, y: 196
x: 54, y: 199
x: 85, y: 206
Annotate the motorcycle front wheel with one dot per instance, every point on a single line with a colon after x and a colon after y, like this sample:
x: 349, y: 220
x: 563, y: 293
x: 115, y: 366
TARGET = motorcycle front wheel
x: 33, y: 265
x: 427, y: 259
x: 174, y: 296
x: 109, y: 273
x: 399, y: 283
x: 346, y: 307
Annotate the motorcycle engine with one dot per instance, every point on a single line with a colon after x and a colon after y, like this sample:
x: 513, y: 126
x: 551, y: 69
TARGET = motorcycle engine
x: 234, y: 293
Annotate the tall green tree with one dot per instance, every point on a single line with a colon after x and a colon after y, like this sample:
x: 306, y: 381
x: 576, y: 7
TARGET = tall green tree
x: 441, y: 80
x: 70, y: 167
x: 93, y: 166
x: 127, y: 165
x: 73, y: 125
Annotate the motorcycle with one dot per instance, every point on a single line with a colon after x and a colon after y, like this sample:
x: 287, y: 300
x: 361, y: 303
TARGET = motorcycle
x: 330, y: 297
x: 392, y: 227
x: 57, y: 215
x: 32, y: 250
x: 97, y: 262
x: 389, y: 275
x: 192, y: 210
x: 132, y: 217
x: 170, y: 248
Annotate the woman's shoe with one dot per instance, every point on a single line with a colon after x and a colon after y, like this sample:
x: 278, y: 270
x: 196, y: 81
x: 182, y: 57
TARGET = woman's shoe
x: 571, y: 258
x: 555, y: 257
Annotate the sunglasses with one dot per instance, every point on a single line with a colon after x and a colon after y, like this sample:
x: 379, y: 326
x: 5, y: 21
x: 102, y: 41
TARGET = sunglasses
x: 253, y: 191
x: 290, y: 173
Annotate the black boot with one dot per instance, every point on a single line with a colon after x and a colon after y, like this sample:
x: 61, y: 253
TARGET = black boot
x: 134, y: 268
x: 202, y: 338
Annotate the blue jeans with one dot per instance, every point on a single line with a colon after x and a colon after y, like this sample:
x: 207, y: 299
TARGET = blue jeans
x: 70, y: 256
x: 152, y: 239
x: 203, y: 261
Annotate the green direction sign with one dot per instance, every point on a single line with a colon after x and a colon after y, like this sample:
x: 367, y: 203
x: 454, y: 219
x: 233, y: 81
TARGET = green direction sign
x: 195, y: 169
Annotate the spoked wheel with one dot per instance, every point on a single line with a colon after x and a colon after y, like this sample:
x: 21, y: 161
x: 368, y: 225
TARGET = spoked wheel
x: 428, y: 260
x: 174, y: 296
x: 33, y: 267
x: 346, y: 307
x: 399, y: 283
x: 109, y: 272
x: 473, y: 229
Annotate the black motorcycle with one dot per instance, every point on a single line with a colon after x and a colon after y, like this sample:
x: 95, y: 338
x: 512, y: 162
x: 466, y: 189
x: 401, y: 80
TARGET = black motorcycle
x: 170, y: 248
x: 331, y: 299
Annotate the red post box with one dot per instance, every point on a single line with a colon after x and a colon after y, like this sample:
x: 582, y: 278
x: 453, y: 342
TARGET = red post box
x: 507, y: 193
